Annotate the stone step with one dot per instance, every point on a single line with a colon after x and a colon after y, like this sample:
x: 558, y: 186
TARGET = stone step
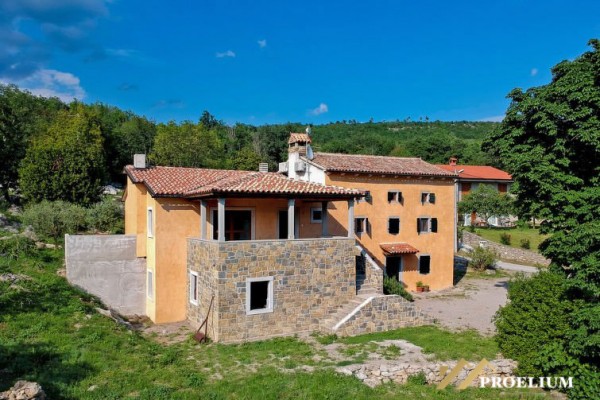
x: 328, y: 323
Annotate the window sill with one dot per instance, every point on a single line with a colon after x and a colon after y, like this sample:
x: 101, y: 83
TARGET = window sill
x: 259, y: 311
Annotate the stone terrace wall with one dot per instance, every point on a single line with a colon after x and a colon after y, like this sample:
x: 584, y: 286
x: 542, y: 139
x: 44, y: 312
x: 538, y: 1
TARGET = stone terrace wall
x: 312, y: 278
x: 384, y: 313
x: 106, y: 266
x: 507, y: 252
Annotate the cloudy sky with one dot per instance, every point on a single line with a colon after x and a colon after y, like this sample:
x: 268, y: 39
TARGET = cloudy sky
x: 268, y: 61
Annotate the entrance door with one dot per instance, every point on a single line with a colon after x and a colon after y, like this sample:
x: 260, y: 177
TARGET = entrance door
x: 283, y: 224
x: 238, y: 224
x: 393, y: 267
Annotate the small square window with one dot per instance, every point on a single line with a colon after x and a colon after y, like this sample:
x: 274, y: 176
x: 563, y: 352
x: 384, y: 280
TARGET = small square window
x: 194, y: 287
x: 394, y: 225
x: 149, y: 285
x: 316, y: 215
x: 394, y: 197
x: 424, y: 265
x: 426, y: 225
x: 259, y: 295
x: 427, y: 197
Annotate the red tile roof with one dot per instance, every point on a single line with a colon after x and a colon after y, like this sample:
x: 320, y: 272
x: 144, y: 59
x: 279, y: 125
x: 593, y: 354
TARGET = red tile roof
x: 201, y: 182
x: 478, y: 172
x: 299, y: 137
x: 377, y: 165
x: 398, y: 248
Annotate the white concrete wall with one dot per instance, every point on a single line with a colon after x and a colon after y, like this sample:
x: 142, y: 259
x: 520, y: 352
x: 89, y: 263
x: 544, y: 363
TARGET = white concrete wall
x: 106, y: 266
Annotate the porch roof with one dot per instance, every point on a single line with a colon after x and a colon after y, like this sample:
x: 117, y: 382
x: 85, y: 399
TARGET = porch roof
x: 398, y: 248
x: 204, y: 183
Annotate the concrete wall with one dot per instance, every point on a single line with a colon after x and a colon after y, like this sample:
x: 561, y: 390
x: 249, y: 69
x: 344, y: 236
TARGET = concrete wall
x: 382, y: 314
x: 107, y: 267
x: 311, y: 280
x: 440, y: 245
x: 506, y: 252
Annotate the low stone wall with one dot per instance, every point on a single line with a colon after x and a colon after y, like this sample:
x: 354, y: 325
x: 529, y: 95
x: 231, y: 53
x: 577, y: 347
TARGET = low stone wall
x: 377, y: 373
x: 107, y: 267
x: 373, y: 273
x: 507, y: 252
x: 383, y: 313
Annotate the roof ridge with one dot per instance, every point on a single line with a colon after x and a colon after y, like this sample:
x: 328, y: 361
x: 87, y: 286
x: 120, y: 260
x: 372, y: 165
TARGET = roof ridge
x: 368, y: 155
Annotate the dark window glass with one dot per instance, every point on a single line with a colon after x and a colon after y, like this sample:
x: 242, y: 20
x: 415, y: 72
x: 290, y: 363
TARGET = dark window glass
x: 424, y: 265
x: 394, y: 226
x: 259, y: 295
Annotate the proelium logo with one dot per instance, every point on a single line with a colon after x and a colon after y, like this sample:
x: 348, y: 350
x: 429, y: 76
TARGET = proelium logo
x: 542, y: 382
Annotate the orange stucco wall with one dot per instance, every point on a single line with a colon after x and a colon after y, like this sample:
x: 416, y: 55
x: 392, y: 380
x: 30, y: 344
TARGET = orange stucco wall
x: 440, y: 245
x: 135, y: 214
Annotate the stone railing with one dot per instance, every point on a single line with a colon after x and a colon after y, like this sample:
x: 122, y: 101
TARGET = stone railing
x: 506, y: 252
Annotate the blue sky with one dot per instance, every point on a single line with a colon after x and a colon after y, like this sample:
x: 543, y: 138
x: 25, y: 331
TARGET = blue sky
x: 276, y: 61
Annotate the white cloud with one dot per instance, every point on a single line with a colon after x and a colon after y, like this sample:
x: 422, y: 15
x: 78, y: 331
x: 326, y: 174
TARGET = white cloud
x: 52, y: 83
x: 534, y: 71
x: 227, y: 53
x: 495, y: 118
x: 322, y: 109
x: 262, y: 43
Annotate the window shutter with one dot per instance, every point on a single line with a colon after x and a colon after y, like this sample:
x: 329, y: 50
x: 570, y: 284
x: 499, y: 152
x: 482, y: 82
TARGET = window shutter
x: 418, y: 225
x: 423, y: 198
x: 368, y: 226
x: 432, y: 198
x: 389, y: 224
x: 400, y: 198
x: 433, y: 224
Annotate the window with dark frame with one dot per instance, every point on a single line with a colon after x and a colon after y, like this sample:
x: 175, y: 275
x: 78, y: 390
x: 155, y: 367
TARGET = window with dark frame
x: 394, y: 225
x: 427, y: 225
x: 427, y: 197
x: 316, y: 215
x: 395, y: 196
x: 424, y: 265
x: 361, y: 225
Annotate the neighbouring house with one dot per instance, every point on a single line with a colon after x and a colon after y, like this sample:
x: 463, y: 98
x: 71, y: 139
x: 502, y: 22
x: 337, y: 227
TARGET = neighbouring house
x: 245, y: 251
x: 406, y: 220
x: 470, y: 177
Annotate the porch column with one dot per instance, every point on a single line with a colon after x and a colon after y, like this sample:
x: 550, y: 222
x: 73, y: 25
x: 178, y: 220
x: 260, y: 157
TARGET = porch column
x: 324, y: 221
x: 351, y: 218
x: 203, y: 219
x: 221, y: 218
x: 291, y: 218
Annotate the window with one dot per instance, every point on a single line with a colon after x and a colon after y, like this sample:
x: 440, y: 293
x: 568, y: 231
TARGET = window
x: 149, y: 285
x: 426, y: 225
x: 394, y: 225
x: 259, y: 295
x: 238, y: 224
x: 361, y: 225
x: 194, y: 287
x: 424, y: 264
x: 368, y: 198
x: 427, y: 197
x: 316, y: 215
x: 150, y: 223
x: 395, y: 196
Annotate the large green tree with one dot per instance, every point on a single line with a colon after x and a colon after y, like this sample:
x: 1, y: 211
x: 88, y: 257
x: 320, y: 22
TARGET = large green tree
x: 550, y: 142
x: 67, y: 161
x: 487, y: 202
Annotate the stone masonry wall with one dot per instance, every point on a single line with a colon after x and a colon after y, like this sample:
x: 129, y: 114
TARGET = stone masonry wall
x: 373, y: 272
x: 384, y: 313
x: 312, y: 278
x: 507, y: 252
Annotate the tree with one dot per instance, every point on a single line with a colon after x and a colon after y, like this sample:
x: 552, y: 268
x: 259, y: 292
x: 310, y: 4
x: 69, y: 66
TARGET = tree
x: 550, y: 142
x: 246, y: 159
x: 53, y: 219
x: 67, y: 161
x: 487, y: 202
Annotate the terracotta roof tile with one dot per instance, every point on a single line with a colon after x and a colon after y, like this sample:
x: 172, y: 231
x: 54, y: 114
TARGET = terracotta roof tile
x: 198, y: 182
x: 398, y: 248
x: 478, y: 172
x: 377, y: 164
x: 299, y: 137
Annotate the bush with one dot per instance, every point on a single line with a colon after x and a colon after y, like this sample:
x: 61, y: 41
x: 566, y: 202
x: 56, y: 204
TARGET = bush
x: 482, y: 259
x: 16, y: 246
x: 472, y: 228
x: 55, y: 219
x: 525, y: 244
x: 505, y: 238
x: 106, y: 216
x: 392, y: 286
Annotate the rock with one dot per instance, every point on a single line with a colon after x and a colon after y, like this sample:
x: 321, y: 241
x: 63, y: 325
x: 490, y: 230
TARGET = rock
x: 15, y: 210
x: 92, y: 388
x: 24, y: 390
x: 29, y: 233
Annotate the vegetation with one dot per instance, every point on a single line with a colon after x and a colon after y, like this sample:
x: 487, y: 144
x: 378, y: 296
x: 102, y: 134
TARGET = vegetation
x: 392, y: 286
x: 505, y: 239
x: 550, y: 141
x: 482, y: 258
x: 517, y: 235
x: 486, y: 202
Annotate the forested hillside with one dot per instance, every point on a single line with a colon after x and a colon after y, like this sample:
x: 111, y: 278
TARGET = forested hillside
x: 56, y: 151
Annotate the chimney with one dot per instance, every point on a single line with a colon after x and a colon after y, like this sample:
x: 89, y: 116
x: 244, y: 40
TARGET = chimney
x: 263, y: 167
x: 453, y: 161
x: 139, y: 161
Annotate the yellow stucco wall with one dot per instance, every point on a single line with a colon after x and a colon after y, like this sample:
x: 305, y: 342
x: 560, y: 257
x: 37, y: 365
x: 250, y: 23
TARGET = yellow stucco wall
x: 135, y: 214
x: 440, y: 245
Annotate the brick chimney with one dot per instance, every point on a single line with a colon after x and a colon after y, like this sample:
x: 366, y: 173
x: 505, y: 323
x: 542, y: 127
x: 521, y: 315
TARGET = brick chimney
x: 453, y: 161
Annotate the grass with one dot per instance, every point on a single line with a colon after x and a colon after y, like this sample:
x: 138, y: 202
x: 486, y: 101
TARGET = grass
x: 517, y: 234
x: 50, y: 333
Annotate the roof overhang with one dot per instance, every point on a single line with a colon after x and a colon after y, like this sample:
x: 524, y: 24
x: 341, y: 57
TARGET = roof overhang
x: 398, y: 248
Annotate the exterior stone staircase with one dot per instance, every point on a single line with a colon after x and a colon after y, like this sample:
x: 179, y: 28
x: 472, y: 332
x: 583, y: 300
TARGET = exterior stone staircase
x: 345, y: 312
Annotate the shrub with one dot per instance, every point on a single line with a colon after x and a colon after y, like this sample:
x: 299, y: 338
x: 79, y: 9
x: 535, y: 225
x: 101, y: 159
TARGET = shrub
x: 392, y: 286
x: 505, y: 238
x: 105, y: 216
x: 482, y: 259
x: 472, y: 228
x: 55, y: 219
x: 525, y: 244
x: 16, y: 246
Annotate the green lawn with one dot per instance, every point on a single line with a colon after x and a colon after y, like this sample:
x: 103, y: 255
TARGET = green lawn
x: 51, y: 333
x: 516, y: 235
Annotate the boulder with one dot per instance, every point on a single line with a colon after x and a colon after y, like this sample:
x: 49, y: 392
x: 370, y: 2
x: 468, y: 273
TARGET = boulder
x: 24, y: 390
